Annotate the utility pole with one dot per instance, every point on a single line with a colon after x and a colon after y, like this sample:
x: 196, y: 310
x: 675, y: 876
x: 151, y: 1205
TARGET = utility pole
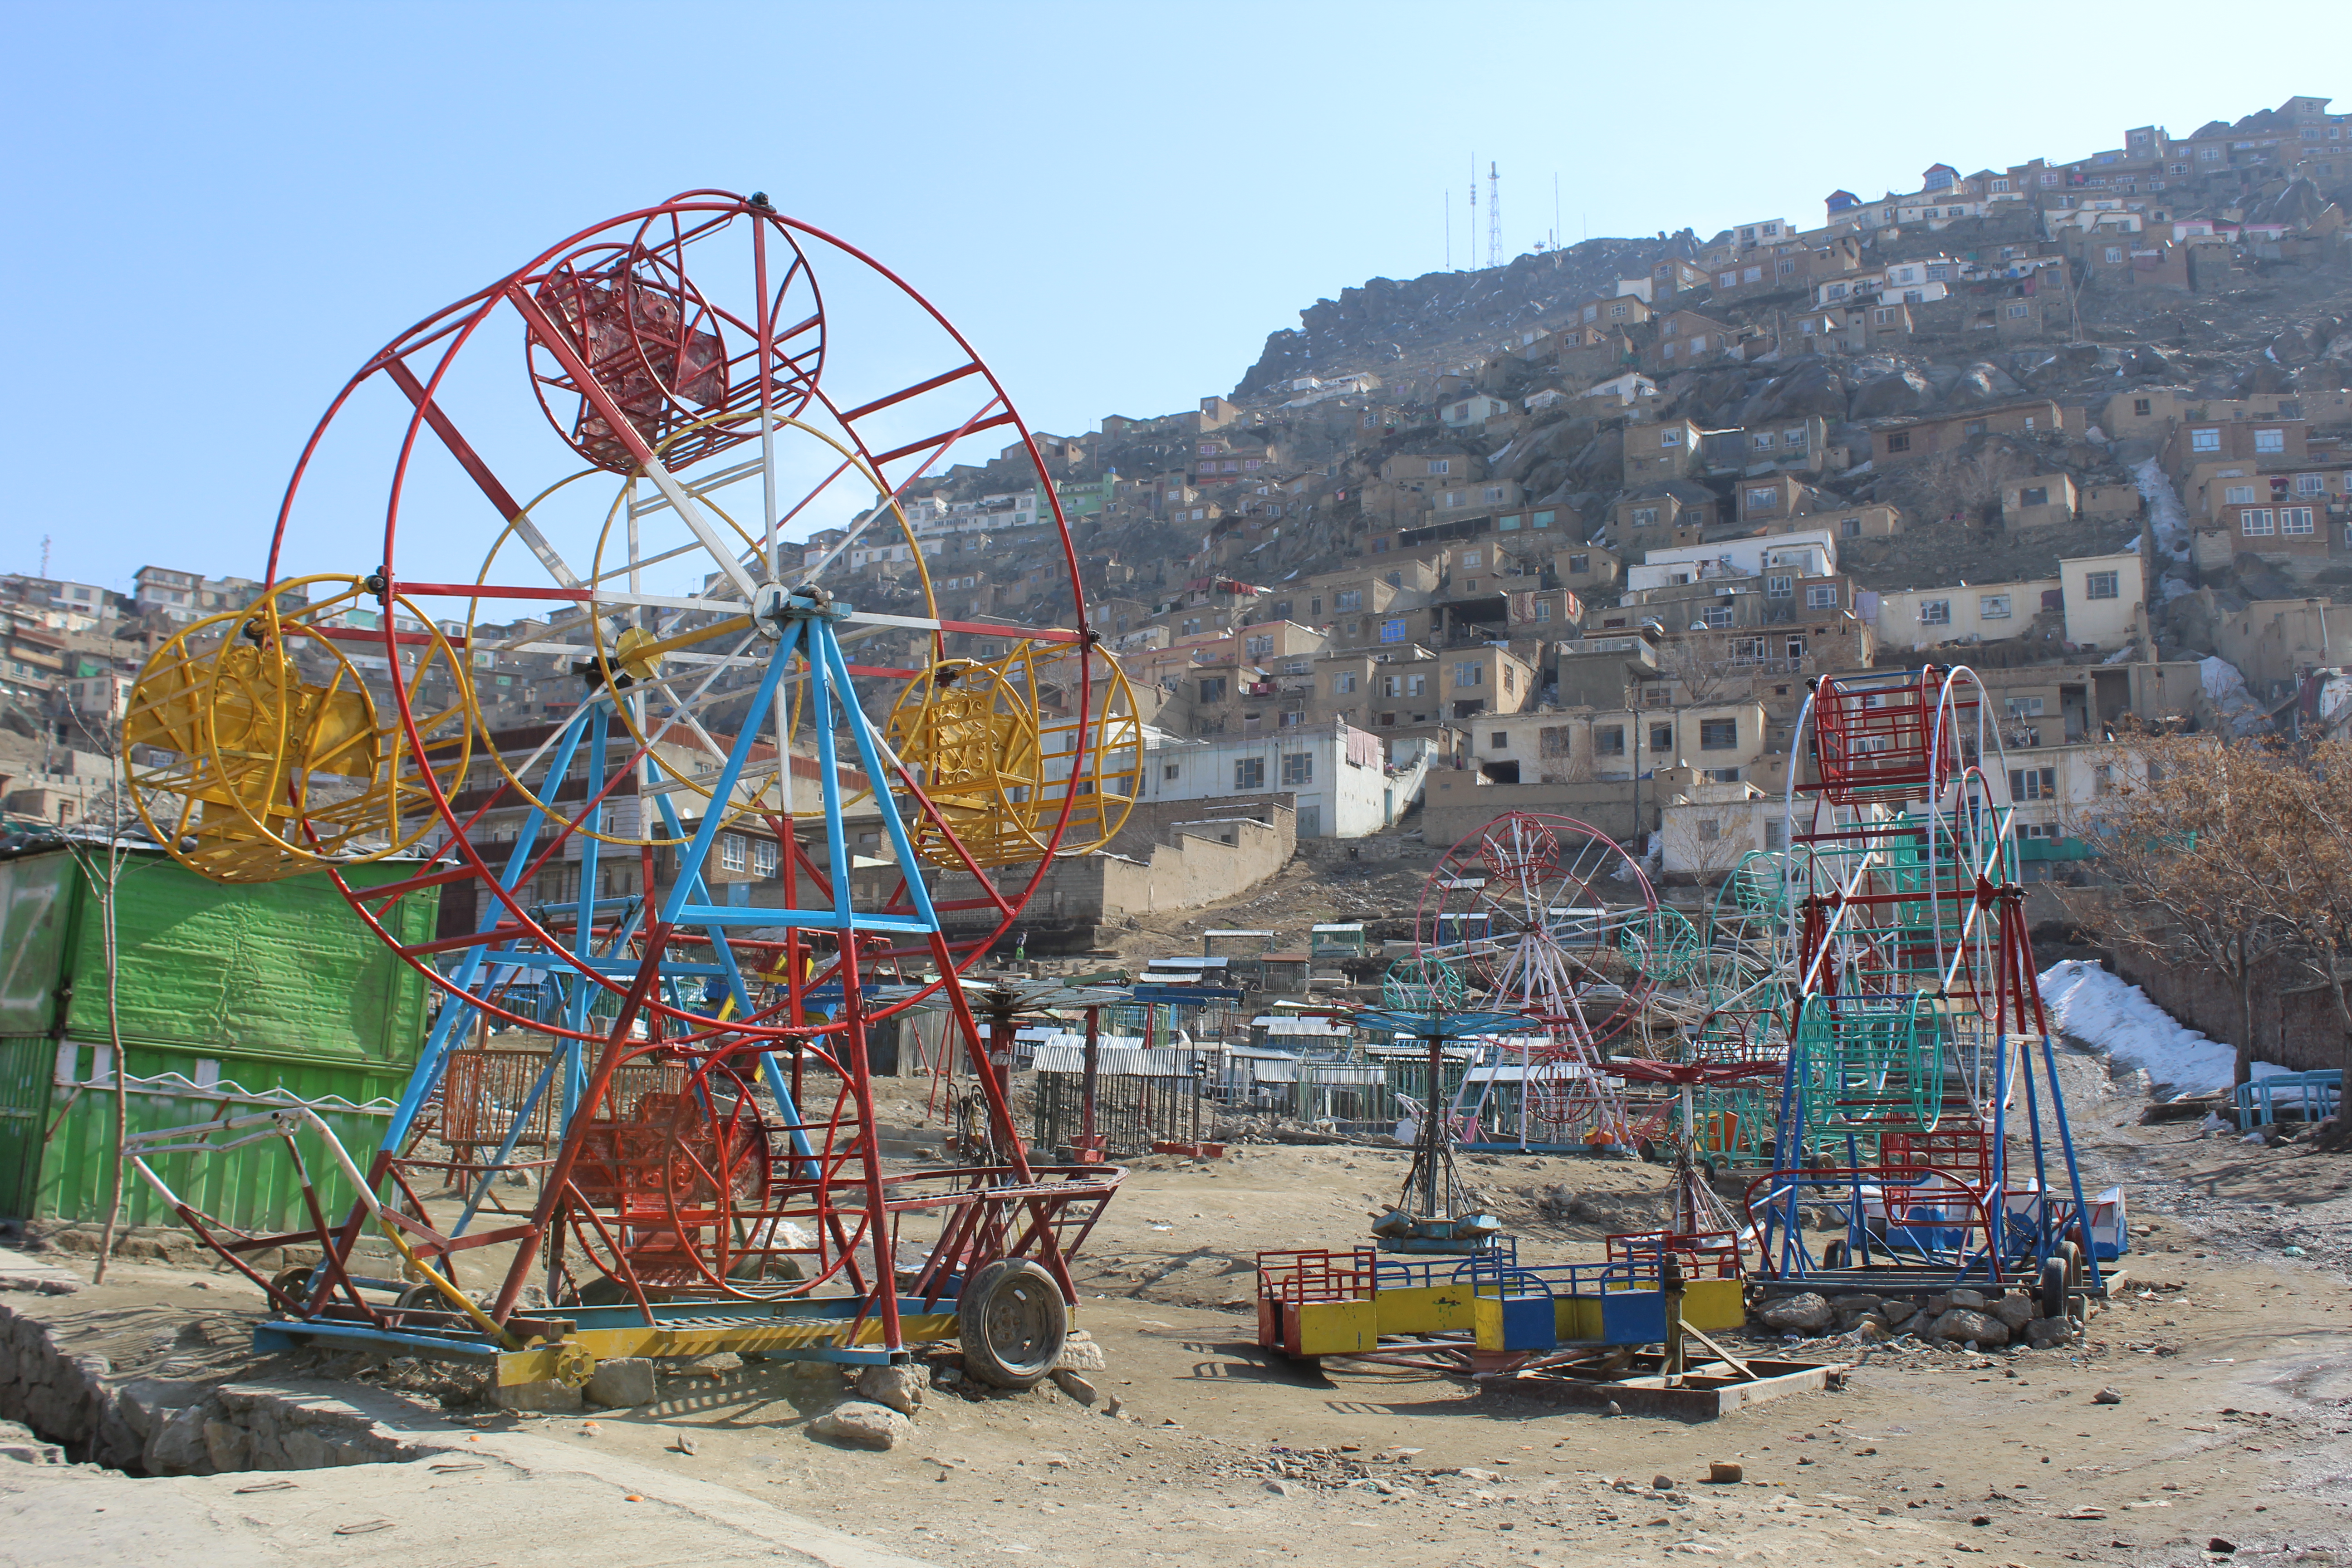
x: 1493, y: 217
x: 1449, y: 229
x: 44, y: 555
x: 1554, y: 210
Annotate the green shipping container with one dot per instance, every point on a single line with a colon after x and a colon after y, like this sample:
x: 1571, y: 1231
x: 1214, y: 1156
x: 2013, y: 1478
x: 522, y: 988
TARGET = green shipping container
x: 231, y: 998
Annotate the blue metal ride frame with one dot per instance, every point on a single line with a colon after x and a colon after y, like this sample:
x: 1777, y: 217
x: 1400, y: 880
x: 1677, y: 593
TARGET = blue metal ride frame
x: 807, y: 629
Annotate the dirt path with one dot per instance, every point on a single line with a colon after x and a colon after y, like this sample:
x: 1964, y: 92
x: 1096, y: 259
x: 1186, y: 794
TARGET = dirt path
x: 2229, y: 1356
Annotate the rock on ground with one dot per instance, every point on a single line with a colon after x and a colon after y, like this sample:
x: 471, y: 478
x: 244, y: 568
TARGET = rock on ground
x: 862, y: 1425
x: 1961, y: 1323
x: 899, y: 1387
x: 1080, y: 1352
x: 623, y: 1382
x: 547, y: 1394
x: 1797, y: 1314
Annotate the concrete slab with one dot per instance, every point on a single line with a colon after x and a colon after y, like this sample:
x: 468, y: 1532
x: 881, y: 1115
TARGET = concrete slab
x: 514, y: 1499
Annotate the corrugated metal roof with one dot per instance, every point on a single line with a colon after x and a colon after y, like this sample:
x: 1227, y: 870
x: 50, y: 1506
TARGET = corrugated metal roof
x: 1069, y: 1055
x: 1319, y: 1029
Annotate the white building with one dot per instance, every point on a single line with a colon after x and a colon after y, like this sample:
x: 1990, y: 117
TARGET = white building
x: 1339, y: 775
x: 1810, y: 552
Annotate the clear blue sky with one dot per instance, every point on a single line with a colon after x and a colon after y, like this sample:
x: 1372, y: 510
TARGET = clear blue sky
x: 220, y: 209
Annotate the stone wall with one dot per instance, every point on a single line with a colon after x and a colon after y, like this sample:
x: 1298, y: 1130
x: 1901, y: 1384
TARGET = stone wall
x: 166, y: 1427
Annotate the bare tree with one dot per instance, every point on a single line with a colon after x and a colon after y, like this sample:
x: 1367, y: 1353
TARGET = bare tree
x: 2231, y: 859
x: 1711, y: 665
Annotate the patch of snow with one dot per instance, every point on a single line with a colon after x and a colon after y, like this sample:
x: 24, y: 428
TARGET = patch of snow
x: 2167, y: 516
x: 2175, y: 587
x: 2226, y: 689
x: 2123, y: 655
x: 2115, y: 1018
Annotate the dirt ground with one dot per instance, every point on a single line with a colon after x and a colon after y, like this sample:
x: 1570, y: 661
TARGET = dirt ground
x: 2229, y: 1353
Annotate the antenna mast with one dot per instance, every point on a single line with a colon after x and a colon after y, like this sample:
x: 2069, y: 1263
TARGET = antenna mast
x: 1493, y: 217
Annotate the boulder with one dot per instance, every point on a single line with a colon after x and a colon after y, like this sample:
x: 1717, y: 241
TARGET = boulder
x: 1804, y: 1313
x: 2043, y: 1332
x: 177, y: 1446
x: 899, y: 1387
x: 1972, y: 1300
x: 2014, y: 1311
x: 1963, y: 1325
x: 862, y: 1425
x: 1080, y: 1352
x: 622, y: 1382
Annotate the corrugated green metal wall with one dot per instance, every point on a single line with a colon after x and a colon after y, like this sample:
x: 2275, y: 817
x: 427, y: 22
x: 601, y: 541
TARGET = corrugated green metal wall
x: 275, y: 987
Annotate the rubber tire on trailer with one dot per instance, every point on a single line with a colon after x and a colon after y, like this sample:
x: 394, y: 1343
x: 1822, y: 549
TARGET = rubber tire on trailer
x: 1648, y: 1150
x: 1013, y: 1322
x: 1706, y: 1169
x: 1834, y: 1256
x: 2053, y: 1293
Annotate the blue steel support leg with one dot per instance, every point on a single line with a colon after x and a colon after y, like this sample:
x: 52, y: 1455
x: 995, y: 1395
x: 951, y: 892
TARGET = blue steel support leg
x: 2045, y: 1204
x: 2074, y: 1170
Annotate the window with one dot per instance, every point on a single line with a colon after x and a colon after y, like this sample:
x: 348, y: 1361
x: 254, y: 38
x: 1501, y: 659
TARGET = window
x: 1249, y: 773
x: 1509, y: 525
x: 2310, y: 484
x: 1553, y: 741
x: 2141, y: 407
x: 1643, y: 516
x: 1850, y: 528
x: 1822, y: 596
x: 1169, y: 770
x: 1543, y: 611
x: 1466, y: 673
x: 1343, y: 683
x: 1661, y: 738
x: 1762, y: 497
x: 2025, y: 707
x: 1540, y: 519
x: 1192, y: 626
x: 1281, y: 611
x: 1718, y: 734
x: 1416, y: 686
x: 1258, y: 647
x: 1296, y: 667
x: 1474, y: 557
x: 1716, y: 617
x: 1898, y: 443
x: 1290, y: 720
x: 2270, y: 440
x: 1496, y: 741
x: 2256, y: 522
x: 1609, y: 742
x: 2207, y: 440
x: 1492, y: 495
x: 2038, y: 495
x: 2034, y: 783
x: 1580, y: 565
x: 1298, y: 769
x: 1934, y: 612
x: 1351, y: 599
x: 734, y: 852
x: 766, y: 856
x: 1992, y: 606
x: 2295, y: 519
x: 2237, y: 495
x: 1441, y: 464
x: 1391, y: 631
x: 2101, y: 586
x: 1212, y: 688
x: 1669, y: 437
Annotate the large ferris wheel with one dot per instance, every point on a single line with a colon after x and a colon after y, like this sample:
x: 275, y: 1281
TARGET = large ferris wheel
x: 592, y: 470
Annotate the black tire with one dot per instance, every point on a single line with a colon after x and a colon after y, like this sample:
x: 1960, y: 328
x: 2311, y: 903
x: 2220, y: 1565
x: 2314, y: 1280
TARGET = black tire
x: 1706, y: 1168
x: 2054, y: 1295
x: 1012, y: 1322
x: 1648, y: 1150
x: 1834, y: 1256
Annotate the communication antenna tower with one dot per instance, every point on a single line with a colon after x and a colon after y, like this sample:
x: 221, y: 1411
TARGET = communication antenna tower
x: 1493, y: 217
